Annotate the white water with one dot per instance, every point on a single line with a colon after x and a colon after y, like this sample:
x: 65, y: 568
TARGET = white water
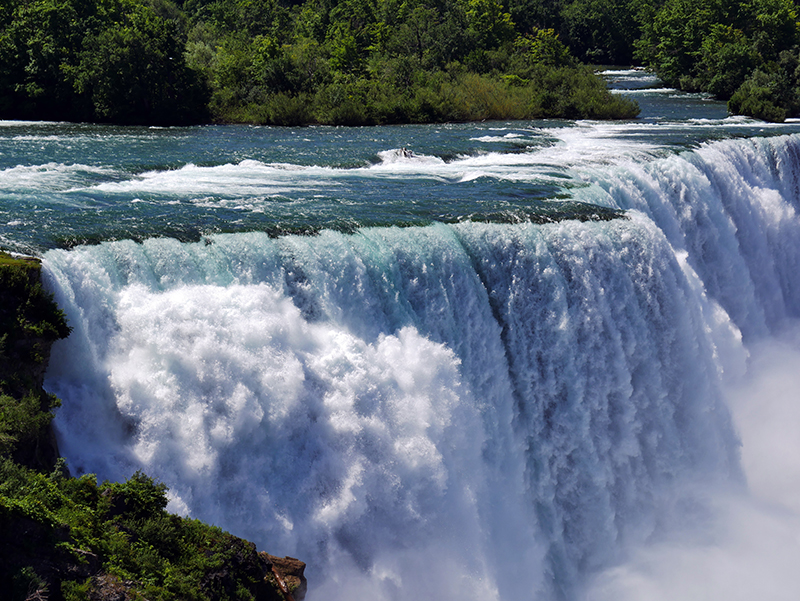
x: 471, y: 411
x: 748, y: 543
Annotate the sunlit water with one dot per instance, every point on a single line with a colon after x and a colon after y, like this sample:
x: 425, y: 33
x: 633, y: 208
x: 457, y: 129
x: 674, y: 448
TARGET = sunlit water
x: 384, y: 363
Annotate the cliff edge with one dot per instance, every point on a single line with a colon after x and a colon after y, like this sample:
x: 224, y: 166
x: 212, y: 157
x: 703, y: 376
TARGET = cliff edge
x: 70, y: 539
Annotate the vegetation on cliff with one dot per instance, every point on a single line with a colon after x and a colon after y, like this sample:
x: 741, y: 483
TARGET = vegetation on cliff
x: 70, y: 538
x: 29, y: 324
x: 74, y: 539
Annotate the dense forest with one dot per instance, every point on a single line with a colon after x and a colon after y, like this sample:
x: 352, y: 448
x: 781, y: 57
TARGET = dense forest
x: 383, y: 61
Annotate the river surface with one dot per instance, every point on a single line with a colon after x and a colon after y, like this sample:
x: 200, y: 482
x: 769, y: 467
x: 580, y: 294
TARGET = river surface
x: 504, y: 360
x: 65, y: 184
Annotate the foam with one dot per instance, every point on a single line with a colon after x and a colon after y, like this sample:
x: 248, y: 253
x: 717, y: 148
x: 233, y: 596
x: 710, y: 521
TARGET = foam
x: 476, y: 411
x: 48, y: 176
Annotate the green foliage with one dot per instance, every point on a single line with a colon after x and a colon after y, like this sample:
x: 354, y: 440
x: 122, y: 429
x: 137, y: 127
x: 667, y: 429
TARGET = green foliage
x: 596, y: 31
x: 41, y: 41
x: 671, y: 41
x: 601, y: 31
x: 734, y: 50
x: 29, y: 317
x: 27, y: 584
x: 116, y: 60
x: 771, y: 92
x: 30, y: 322
x: 139, y: 497
x: 134, y: 71
x: 312, y: 61
x: 125, y: 527
x: 345, y: 53
x: 488, y: 24
x: 575, y: 93
x: 543, y: 47
x: 449, y: 96
x: 76, y: 591
x: 21, y: 420
x: 726, y: 58
x: 375, y: 61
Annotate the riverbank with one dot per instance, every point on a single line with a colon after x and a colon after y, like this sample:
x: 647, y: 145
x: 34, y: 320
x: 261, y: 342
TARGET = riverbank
x: 74, y: 538
x: 185, y: 64
x: 457, y: 96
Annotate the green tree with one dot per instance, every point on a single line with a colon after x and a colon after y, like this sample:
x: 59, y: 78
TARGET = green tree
x: 543, y: 47
x: 345, y: 53
x: 601, y: 31
x: 135, y: 71
x: 672, y: 41
x: 37, y: 48
x: 727, y: 57
x: 488, y: 23
x: 735, y: 50
x: 536, y: 14
x: 416, y: 34
x: 771, y: 92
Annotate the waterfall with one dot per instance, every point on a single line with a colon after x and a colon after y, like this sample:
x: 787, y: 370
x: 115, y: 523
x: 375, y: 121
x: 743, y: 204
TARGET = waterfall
x: 465, y: 411
x: 732, y: 206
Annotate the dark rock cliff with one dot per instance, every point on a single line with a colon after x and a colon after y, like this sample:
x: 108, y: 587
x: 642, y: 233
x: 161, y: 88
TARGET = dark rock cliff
x: 30, y: 322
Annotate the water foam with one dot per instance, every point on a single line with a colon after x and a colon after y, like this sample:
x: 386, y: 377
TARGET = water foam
x: 732, y: 205
x: 471, y: 411
x: 246, y: 178
x: 47, y: 177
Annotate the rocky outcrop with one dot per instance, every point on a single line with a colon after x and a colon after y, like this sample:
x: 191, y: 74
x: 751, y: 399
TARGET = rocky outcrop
x: 274, y: 578
x: 289, y: 574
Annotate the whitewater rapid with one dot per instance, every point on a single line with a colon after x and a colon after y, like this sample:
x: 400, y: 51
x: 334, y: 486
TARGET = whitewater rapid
x: 457, y: 411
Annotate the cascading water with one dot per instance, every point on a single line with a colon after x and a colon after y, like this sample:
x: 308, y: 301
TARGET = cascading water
x: 471, y: 406
x: 355, y: 399
x: 464, y: 411
x: 732, y: 206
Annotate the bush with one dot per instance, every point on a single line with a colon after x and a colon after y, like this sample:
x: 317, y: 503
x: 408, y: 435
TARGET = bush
x: 132, y: 544
x: 283, y: 109
x: 756, y: 97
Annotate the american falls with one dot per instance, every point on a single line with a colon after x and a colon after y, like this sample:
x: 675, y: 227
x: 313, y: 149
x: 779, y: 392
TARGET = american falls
x: 582, y: 409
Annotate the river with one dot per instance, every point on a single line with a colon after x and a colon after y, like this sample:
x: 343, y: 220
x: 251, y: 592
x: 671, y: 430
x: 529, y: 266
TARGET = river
x: 501, y: 360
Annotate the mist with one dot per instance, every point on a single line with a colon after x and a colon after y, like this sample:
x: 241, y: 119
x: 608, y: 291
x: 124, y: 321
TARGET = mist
x: 744, y: 544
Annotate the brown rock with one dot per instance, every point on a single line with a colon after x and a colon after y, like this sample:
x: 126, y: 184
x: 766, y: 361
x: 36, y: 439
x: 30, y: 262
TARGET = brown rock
x: 106, y: 587
x: 291, y: 571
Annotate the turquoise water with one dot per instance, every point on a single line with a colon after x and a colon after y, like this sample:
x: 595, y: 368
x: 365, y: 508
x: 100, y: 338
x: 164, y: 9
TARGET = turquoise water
x: 66, y: 184
x: 474, y: 406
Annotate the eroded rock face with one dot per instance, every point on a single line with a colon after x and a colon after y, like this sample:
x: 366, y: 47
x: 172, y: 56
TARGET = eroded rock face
x: 106, y: 587
x: 291, y: 570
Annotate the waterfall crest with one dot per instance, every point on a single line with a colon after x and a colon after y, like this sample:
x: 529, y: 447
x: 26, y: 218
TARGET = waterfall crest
x: 468, y: 411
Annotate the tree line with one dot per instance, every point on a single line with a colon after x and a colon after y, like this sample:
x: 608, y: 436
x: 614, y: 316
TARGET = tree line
x: 382, y: 61
x: 744, y: 52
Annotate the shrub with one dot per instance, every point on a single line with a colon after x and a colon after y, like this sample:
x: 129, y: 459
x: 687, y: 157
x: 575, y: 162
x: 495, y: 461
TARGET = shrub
x: 756, y: 97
